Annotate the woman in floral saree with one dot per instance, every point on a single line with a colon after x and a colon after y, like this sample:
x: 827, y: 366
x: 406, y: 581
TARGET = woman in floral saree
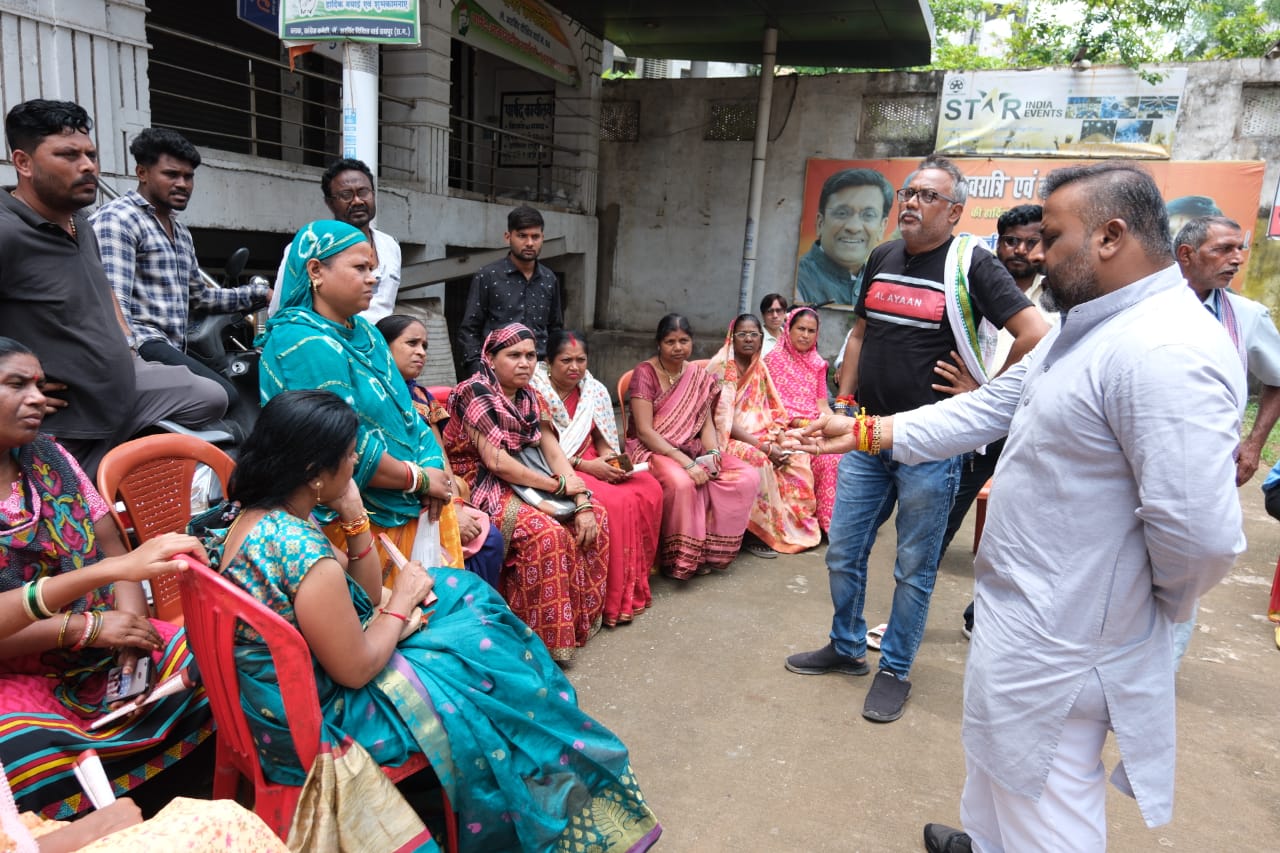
x: 53, y: 672
x: 466, y: 683
x: 800, y: 375
x: 706, y: 495
x: 783, y: 514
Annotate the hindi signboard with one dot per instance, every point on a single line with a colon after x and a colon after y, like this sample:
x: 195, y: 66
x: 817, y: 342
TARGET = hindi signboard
x: 376, y: 21
x: 521, y: 31
x: 860, y: 212
x: 1107, y: 112
x: 530, y: 114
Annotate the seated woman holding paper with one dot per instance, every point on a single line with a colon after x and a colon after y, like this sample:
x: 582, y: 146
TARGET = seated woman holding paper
x: 54, y: 671
x: 316, y: 340
x: 557, y: 540
x: 466, y: 684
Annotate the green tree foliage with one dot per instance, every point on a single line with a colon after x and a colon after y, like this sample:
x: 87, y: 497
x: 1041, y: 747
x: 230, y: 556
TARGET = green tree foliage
x: 1124, y: 32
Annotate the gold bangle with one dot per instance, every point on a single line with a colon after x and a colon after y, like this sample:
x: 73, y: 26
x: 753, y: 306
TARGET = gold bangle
x: 62, y: 632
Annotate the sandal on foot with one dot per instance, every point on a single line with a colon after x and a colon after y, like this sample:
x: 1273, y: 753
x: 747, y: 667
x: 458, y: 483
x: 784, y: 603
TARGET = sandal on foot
x: 875, y: 635
x: 761, y: 550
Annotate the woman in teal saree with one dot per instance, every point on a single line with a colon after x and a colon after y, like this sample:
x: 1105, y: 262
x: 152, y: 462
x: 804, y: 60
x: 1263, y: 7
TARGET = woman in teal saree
x: 459, y: 679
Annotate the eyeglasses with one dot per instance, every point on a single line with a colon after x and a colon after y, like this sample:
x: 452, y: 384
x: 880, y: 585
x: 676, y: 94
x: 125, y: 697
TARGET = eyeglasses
x: 746, y: 336
x: 926, y: 196
x: 776, y: 311
x: 1011, y: 242
x: 868, y: 215
x: 364, y: 194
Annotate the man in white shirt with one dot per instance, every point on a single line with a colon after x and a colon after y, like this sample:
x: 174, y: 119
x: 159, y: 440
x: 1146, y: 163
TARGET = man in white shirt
x: 1114, y: 508
x: 350, y: 196
x: 1210, y: 251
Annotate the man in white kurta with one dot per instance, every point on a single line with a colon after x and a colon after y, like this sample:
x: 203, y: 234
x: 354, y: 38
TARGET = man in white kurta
x: 1113, y: 509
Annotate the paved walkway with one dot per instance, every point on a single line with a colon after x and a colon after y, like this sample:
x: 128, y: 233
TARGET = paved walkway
x: 737, y: 754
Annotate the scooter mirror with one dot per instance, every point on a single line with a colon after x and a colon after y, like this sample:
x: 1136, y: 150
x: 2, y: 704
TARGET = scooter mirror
x: 236, y: 264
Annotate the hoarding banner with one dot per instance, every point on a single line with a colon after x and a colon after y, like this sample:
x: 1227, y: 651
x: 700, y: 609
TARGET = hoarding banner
x: 860, y: 212
x: 376, y: 21
x: 521, y: 31
x: 1108, y: 112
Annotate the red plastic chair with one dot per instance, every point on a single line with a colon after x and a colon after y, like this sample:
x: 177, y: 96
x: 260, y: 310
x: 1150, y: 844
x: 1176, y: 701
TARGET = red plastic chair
x: 441, y: 393
x: 153, y: 475
x: 624, y: 385
x: 213, y: 606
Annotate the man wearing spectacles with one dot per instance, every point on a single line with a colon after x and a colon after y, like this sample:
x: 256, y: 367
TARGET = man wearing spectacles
x: 852, y: 209
x: 348, y: 189
x: 914, y: 311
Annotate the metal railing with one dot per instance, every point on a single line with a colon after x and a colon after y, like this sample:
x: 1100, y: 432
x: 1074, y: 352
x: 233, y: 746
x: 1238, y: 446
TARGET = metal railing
x: 231, y: 99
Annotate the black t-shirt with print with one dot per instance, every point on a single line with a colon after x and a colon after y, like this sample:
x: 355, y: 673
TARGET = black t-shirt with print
x: 908, y: 332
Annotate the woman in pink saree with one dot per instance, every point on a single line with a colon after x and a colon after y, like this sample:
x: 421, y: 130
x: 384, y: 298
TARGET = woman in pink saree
x: 800, y: 375
x: 706, y: 495
x: 783, y: 514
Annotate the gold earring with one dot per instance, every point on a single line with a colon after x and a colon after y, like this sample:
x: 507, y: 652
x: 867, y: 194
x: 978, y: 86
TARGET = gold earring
x: 315, y: 284
x: 316, y: 484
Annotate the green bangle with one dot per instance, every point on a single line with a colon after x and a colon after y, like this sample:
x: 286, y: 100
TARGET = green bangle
x: 580, y: 507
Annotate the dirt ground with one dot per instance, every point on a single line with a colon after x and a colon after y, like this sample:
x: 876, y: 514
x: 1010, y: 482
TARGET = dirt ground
x: 736, y: 754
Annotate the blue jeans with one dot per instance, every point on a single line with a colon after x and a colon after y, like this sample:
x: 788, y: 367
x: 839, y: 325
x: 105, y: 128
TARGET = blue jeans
x: 866, y: 491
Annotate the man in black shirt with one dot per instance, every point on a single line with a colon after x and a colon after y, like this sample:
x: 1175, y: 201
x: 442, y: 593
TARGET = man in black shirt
x: 516, y: 289
x: 55, y: 298
x: 924, y: 297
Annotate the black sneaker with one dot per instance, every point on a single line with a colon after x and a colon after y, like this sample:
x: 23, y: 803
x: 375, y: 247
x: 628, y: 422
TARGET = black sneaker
x: 939, y: 838
x: 967, y: 630
x: 886, y: 698
x: 824, y: 660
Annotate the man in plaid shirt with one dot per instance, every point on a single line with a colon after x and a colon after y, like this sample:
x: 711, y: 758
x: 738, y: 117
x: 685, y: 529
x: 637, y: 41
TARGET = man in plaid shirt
x: 150, y: 258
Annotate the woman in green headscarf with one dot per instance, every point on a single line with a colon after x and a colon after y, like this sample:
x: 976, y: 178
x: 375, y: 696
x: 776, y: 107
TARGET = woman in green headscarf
x: 315, y: 340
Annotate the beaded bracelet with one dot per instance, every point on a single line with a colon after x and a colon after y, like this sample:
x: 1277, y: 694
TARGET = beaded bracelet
x: 357, y: 526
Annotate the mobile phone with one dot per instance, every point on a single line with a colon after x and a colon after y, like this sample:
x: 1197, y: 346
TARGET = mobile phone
x: 122, y: 687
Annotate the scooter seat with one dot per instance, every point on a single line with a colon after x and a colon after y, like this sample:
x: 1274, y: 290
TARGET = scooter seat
x: 213, y: 436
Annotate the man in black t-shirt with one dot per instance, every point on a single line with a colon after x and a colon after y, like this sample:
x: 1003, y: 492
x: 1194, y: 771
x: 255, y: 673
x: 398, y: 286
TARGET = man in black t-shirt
x: 924, y: 298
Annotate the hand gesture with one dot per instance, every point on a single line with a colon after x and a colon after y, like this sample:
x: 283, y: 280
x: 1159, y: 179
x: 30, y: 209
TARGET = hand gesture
x: 585, y: 528
x: 350, y: 506
x: 53, y: 403
x: 468, y: 525
x: 602, y: 470
x: 411, y: 586
x: 956, y: 378
x: 156, y: 557
x: 698, y: 474
x: 126, y: 630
